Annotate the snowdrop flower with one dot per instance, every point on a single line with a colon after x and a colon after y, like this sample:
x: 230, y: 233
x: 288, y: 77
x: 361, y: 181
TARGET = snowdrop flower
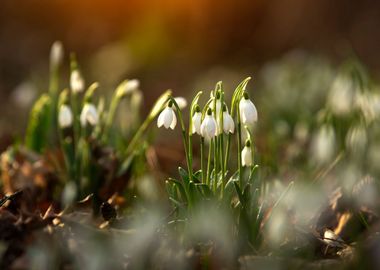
x: 357, y: 139
x: 248, y: 112
x: 228, y: 122
x: 56, y: 54
x: 323, y: 144
x: 89, y: 115
x: 167, y: 117
x: 131, y: 86
x: 65, y: 116
x: 209, y: 126
x: 76, y: 82
x: 196, y: 121
x: 181, y: 102
x: 341, y: 95
x: 246, y: 154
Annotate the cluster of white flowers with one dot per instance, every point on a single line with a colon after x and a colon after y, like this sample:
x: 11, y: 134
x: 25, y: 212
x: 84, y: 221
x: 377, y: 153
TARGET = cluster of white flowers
x: 89, y: 114
x: 209, y: 125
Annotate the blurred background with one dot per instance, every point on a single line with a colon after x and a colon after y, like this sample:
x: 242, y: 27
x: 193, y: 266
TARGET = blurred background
x: 183, y: 45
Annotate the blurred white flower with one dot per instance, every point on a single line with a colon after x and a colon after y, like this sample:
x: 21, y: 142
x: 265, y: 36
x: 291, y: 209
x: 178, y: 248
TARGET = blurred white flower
x: 369, y: 104
x: 323, y: 144
x: 65, y: 116
x: 228, y: 123
x: 356, y: 139
x: 341, y: 95
x: 131, y: 86
x: 24, y: 94
x: 196, y: 123
x: 181, y: 102
x: 76, y: 82
x: 56, y: 54
x: 246, y: 155
x: 89, y: 115
x: 209, y: 126
x: 167, y: 118
x: 248, y: 112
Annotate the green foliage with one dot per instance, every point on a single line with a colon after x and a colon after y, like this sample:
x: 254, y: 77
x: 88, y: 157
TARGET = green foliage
x: 38, y: 129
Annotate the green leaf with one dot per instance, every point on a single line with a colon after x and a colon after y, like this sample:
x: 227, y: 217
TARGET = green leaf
x: 39, y: 124
x: 205, y: 190
x: 180, y: 188
x: 184, y: 175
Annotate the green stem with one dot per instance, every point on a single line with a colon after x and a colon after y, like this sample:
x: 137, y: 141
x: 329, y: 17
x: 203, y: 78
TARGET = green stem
x: 209, y: 163
x: 185, y: 139
x: 239, y: 149
x: 110, y: 117
x: 216, y: 167
x: 222, y: 164
x: 202, y: 161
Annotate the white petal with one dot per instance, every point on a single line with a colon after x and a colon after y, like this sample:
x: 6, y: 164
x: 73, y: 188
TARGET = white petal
x: 166, y: 118
x: 56, y: 53
x: 246, y: 156
x: 248, y: 112
x: 65, y: 116
x: 208, y: 127
x: 131, y: 86
x: 76, y: 81
x: 89, y: 115
x: 197, y: 119
x: 228, y: 123
x: 160, y: 120
x: 181, y: 102
x: 174, y: 120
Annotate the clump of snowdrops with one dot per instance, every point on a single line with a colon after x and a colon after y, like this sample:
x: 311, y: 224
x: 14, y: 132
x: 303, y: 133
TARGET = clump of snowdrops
x: 216, y: 184
x: 81, y: 124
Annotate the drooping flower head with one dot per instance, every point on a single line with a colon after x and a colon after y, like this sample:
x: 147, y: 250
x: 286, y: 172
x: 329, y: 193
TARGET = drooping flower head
x: 167, y: 117
x: 76, y: 82
x: 181, y: 102
x: 56, y: 54
x: 89, y: 115
x: 209, y: 126
x: 65, y: 116
x: 246, y: 154
x: 248, y: 112
x: 196, y: 120
x: 228, y: 122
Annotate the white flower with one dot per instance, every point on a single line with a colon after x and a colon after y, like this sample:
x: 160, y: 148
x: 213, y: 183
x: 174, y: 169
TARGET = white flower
x: 341, y: 95
x: 89, y: 115
x: 76, y: 81
x: 248, y: 112
x: 167, y: 118
x: 181, y: 102
x: 56, y: 54
x: 196, y: 123
x: 65, y: 116
x: 228, y: 123
x: 209, y: 126
x: 323, y: 144
x: 131, y: 86
x: 246, y: 155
